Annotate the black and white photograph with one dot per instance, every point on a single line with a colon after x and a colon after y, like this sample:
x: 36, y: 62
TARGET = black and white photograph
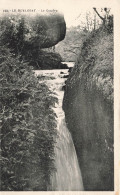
x: 57, y: 128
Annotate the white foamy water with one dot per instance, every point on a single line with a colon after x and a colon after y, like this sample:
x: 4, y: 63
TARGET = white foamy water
x: 69, y: 64
x: 68, y: 174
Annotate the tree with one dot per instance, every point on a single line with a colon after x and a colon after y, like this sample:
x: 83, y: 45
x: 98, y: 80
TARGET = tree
x: 107, y: 19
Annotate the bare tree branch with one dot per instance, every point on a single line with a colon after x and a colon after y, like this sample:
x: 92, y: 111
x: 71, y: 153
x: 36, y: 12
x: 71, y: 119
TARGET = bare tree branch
x: 98, y: 14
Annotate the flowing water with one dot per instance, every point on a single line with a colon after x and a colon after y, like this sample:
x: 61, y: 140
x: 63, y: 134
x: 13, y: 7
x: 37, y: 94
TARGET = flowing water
x: 68, y: 175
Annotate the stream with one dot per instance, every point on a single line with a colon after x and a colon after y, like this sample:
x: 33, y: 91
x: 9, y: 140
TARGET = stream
x: 68, y: 174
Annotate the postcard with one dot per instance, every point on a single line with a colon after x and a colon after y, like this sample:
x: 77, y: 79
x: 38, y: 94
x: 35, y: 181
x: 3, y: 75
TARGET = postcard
x: 59, y: 99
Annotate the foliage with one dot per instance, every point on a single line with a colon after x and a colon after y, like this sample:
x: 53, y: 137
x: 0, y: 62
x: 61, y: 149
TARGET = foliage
x: 13, y: 31
x: 28, y: 127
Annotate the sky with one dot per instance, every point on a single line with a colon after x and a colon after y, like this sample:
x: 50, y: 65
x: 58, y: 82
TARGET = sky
x: 71, y: 9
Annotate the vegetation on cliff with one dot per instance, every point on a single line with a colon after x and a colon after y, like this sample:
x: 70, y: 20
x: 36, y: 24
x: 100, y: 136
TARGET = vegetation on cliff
x: 88, y: 105
x: 28, y: 127
x: 27, y: 120
x: 95, y: 62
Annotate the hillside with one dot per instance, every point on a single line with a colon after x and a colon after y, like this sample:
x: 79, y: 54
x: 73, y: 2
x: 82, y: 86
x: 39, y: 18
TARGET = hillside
x: 70, y: 46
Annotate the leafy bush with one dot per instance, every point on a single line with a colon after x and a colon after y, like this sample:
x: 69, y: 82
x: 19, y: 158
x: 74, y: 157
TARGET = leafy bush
x: 28, y: 127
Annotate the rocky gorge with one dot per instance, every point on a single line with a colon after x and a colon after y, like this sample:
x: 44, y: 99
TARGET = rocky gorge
x: 56, y: 125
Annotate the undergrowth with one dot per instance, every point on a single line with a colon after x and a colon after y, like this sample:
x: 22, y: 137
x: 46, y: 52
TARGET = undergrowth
x: 28, y: 127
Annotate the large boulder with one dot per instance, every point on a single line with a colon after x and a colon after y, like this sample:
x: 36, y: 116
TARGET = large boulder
x: 28, y: 37
x: 49, y: 30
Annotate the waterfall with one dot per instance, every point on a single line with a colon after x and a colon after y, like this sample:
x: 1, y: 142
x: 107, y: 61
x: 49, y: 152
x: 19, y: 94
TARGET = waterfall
x: 68, y: 174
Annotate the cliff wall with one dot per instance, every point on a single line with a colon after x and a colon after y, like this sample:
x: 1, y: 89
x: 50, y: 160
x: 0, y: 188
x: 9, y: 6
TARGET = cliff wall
x: 88, y: 106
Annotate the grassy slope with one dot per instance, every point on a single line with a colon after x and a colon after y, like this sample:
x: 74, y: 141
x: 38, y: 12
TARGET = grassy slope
x: 88, y: 105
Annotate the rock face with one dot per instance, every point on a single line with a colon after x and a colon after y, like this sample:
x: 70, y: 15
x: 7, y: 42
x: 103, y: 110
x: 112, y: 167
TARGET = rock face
x: 48, y: 60
x: 88, y: 106
x: 46, y: 31
x: 51, y: 30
